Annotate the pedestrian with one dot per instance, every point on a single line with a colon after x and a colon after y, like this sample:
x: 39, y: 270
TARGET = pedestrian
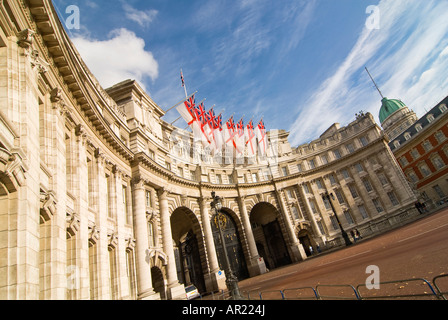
x: 318, y: 248
x: 353, y: 235
x: 311, y: 250
x: 358, y: 235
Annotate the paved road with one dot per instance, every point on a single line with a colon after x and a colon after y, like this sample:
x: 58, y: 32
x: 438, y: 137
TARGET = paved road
x: 418, y: 250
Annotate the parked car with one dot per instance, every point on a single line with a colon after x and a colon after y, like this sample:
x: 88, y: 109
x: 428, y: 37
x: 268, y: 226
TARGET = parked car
x: 191, y: 292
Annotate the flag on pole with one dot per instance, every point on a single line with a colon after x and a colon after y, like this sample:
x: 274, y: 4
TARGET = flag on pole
x: 218, y: 134
x: 230, y: 133
x: 239, y: 137
x: 260, y: 132
x: 199, y: 132
x: 186, y: 110
x: 182, y: 78
x: 249, y: 136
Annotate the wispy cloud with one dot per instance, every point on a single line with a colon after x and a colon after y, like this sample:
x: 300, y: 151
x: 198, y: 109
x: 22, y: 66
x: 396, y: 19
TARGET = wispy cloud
x: 406, y: 56
x: 143, y: 18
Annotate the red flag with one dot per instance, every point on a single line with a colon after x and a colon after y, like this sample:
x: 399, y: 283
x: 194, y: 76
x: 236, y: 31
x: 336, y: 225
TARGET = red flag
x: 249, y: 135
x: 260, y: 131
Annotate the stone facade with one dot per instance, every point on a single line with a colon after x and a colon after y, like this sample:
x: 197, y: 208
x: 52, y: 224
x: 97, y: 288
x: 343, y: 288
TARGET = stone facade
x: 102, y: 199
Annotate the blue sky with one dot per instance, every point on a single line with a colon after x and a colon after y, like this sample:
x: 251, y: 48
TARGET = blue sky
x: 298, y: 63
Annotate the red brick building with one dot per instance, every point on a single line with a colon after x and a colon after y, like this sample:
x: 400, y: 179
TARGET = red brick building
x: 422, y: 152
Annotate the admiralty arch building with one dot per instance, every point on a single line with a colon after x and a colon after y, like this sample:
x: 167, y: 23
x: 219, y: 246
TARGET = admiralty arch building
x: 103, y: 199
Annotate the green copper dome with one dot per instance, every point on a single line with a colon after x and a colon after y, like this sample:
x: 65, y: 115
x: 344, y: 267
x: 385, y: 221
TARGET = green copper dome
x: 390, y: 106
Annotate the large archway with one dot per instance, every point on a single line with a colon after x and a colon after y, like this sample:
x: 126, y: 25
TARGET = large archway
x: 232, y: 242
x: 268, y: 235
x: 189, y: 248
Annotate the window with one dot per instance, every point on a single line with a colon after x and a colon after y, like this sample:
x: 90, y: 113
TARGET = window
x: 295, y: 212
x: 254, y: 177
x: 424, y: 169
x: 440, y: 136
x: 418, y: 127
x: 438, y: 162
x: 306, y: 188
x: 393, y: 198
x: 443, y: 108
x: 353, y: 191
x: 359, y: 167
x: 334, y: 222
x: 108, y: 194
x: 324, y: 159
x: 180, y: 171
x: 363, y: 212
x: 337, y: 154
x: 327, y: 204
x: 412, y: 176
x: 383, y: 179
x: 364, y: 141
x: 319, y: 184
x: 345, y: 173
x: 230, y: 178
x: 290, y: 193
x: 439, y: 191
x: 367, y: 185
x: 340, y: 196
x: 125, y: 204
x: 312, y: 164
x: 348, y: 217
x: 332, y: 179
x: 427, y: 145
x: 299, y: 167
x: 285, y: 171
x: 148, y: 199
x: 151, y: 235
x: 378, y: 206
x: 430, y: 118
x: 219, y: 179
x: 415, y: 154
x: 403, y: 161
x: 313, y: 207
x: 350, y: 148
x: 407, y: 136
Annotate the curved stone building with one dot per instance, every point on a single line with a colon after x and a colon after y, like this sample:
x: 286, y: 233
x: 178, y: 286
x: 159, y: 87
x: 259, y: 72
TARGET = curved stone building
x: 102, y: 199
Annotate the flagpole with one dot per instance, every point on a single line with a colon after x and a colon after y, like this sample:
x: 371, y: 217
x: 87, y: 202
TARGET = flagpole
x: 183, y: 83
x: 181, y: 102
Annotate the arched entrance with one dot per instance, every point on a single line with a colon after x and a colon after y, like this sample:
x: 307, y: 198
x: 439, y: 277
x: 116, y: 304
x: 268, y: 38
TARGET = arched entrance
x: 306, y: 239
x: 268, y: 235
x: 158, y: 282
x: 232, y: 244
x: 188, y: 240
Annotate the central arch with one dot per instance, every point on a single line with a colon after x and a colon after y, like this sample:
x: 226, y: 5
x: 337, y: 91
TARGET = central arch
x: 271, y: 245
x: 232, y: 242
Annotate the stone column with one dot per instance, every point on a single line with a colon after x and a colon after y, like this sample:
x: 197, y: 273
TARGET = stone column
x: 213, y: 281
x: 298, y: 253
x: 145, y: 290
x: 256, y: 264
x: 175, y: 290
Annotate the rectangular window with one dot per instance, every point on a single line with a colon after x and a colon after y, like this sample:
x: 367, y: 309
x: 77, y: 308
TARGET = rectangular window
x: 363, y: 212
x: 378, y: 206
x: 367, y: 185
x: 340, y: 196
x: 337, y: 154
x: 348, y: 217
x: 353, y: 191
x: 393, y: 198
x: 148, y: 199
x: 359, y: 167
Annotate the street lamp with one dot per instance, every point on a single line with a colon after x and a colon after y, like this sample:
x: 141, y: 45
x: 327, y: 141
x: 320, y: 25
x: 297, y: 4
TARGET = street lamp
x: 231, y: 279
x: 327, y: 196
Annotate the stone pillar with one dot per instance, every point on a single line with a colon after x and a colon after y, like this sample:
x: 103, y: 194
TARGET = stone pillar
x: 296, y: 248
x: 175, y: 290
x: 145, y: 290
x: 213, y: 281
x: 256, y: 265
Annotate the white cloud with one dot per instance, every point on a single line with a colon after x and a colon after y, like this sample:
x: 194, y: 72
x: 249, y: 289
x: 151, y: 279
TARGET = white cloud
x: 121, y: 57
x: 408, y: 57
x: 143, y: 18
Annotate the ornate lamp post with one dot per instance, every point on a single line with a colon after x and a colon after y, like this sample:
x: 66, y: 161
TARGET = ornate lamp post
x: 231, y: 279
x: 327, y: 196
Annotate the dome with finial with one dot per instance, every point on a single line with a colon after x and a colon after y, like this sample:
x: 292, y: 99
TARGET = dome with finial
x: 390, y: 106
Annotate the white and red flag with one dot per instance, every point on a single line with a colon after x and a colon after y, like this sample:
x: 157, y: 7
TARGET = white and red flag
x: 239, y: 137
x: 186, y: 110
x: 230, y: 133
x: 200, y: 130
x: 251, y: 142
x: 260, y: 132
